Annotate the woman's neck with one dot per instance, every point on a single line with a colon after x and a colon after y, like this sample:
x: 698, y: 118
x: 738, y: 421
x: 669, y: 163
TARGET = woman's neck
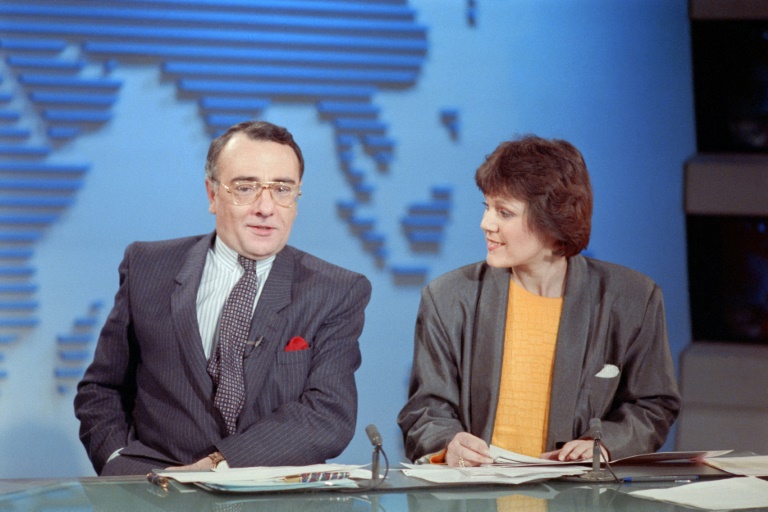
x: 546, y: 278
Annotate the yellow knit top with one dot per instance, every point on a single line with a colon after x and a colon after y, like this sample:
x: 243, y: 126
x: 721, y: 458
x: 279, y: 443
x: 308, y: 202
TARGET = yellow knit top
x: 526, y: 371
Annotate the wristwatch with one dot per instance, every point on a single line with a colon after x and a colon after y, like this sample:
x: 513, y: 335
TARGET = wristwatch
x: 216, y: 458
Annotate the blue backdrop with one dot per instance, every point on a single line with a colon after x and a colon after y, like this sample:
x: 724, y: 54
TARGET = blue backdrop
x: 106, y: 113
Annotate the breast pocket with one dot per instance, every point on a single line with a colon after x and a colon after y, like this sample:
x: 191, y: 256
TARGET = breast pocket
x: 291, y: 373
x: 600, y: 390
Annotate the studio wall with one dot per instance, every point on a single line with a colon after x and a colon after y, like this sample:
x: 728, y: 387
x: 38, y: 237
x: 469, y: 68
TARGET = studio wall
x: 394, y: 102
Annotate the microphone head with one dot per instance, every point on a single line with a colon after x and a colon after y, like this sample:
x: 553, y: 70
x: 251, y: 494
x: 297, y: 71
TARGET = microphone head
x: 373, y: 434
x: 596, y: 428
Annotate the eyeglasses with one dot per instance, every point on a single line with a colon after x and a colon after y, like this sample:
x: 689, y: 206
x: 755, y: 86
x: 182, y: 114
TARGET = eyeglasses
x: 247, y: 192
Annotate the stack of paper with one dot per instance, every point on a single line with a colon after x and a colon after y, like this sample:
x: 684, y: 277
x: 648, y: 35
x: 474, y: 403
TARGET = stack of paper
x: 281, y: 478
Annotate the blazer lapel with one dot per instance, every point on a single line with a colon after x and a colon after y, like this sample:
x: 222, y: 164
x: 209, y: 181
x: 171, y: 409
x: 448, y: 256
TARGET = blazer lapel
x: 184, y: 313
x: 488, y: 348
x: 569, y: 356
x: 267, y: 324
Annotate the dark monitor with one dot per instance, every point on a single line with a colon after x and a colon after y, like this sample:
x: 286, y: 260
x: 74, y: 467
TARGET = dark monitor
x: 728, y: 277
x: 729, y: 45
x: 726, y: 202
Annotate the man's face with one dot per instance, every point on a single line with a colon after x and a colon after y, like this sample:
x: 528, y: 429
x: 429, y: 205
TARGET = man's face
x: 261, y: 229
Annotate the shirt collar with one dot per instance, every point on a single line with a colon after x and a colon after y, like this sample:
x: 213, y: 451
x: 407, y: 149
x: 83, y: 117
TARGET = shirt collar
x: 228, y: 257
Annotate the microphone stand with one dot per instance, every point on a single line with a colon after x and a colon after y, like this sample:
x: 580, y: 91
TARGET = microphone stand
x: 375, y: 438
x: 375, y: 464
x: 597, y: 474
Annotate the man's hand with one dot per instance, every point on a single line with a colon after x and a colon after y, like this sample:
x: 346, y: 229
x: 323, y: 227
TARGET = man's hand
x: 578, y: 449
x: 466, y: 450
x: 203, y: 464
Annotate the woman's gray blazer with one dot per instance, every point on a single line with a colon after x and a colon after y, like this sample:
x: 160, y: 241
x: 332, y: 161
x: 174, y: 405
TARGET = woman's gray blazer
x: 612, y: 360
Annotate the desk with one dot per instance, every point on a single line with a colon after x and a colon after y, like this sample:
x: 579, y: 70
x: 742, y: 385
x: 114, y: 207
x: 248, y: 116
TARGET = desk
x: 399, y: 493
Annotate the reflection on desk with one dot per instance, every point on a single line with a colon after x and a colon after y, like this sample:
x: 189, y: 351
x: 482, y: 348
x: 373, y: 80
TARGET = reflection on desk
x: 117, y: 494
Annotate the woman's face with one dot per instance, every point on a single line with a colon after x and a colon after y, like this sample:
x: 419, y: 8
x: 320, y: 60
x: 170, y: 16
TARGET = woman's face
x: 510, y: 241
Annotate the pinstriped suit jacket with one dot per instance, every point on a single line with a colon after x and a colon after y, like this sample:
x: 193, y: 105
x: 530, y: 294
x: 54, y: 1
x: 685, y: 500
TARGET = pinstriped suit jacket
x: 148, y: 392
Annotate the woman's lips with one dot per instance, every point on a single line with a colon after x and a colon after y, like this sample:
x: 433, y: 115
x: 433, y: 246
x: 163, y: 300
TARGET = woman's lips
x: 492, y: 244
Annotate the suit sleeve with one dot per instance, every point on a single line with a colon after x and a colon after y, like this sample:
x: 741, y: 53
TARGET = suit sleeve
x: 107, y: 391
x: 646, y: 402
x: 431, y: 416
x: 321, y: 423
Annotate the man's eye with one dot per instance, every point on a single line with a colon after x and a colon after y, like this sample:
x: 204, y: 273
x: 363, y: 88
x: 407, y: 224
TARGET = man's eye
x: 282, y: 189
x: 244, y: 189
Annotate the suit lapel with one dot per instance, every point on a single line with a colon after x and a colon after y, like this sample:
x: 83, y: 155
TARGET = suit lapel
x: 184, y: 313
x: 488, y: 347
x: 569, y: 356
x: 267, y: 323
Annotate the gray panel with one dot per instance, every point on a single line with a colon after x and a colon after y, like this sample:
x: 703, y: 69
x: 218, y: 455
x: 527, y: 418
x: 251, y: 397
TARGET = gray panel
x: 727, y: 185
x: 728, y: 9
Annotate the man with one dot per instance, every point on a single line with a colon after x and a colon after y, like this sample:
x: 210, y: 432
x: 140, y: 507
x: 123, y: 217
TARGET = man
x: 173, y: 384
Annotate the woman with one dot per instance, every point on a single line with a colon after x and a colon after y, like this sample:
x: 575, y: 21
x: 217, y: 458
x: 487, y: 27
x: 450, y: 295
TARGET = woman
x: 524, y: 349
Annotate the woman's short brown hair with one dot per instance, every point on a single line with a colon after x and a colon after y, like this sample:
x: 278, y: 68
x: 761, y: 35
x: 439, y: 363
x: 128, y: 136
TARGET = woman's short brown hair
x: 552, y: 178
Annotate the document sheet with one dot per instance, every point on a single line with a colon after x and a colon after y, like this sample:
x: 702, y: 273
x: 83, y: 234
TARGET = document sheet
x: 725, y: 494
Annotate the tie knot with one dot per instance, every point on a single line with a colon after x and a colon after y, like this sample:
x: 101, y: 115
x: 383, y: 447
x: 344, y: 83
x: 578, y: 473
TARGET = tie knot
x: 248, y: 265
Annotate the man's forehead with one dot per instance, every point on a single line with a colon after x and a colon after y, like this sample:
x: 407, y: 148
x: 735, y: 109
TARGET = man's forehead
x: 256, y: 179
x: 258, y: 160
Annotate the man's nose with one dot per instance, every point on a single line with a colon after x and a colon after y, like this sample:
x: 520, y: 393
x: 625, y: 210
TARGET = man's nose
x: 264, y: 204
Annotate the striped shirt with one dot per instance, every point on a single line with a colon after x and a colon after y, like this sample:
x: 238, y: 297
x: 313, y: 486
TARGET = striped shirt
x: 221, y: 273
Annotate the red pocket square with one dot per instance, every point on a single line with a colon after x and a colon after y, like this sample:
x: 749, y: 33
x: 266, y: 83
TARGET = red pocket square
x: 296, y: 343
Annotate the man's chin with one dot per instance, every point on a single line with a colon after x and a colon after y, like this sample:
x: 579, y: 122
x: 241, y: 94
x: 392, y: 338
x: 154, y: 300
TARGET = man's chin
x: 263, y: 251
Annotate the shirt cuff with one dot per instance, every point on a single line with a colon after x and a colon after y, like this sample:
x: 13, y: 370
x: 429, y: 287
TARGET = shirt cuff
x: 433, y: 458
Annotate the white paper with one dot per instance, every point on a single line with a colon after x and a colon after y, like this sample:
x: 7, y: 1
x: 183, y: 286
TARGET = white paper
x: 508, y: 458
x: 489, y: 474
x: 756, y: 465
x: 258, y: 474
x: 724, y: 494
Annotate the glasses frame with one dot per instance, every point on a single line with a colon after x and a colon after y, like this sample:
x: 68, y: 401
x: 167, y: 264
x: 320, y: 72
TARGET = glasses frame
x: 263, y: 185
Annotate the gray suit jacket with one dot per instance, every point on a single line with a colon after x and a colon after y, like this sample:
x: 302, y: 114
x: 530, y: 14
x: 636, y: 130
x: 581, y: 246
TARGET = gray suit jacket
x: 148, y: 392
x: 611, y: 316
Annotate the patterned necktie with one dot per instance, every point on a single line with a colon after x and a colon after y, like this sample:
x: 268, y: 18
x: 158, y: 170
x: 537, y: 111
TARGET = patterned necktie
x: 226, y: 364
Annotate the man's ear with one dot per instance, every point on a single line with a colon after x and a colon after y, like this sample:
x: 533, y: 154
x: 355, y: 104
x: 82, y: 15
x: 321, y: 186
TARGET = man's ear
x: 210, y: 191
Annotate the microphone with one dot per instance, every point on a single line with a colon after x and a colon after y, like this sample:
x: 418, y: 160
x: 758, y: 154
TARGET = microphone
x: 597, y: 474
x: 596, y: 429
x: 375, y: 438
x: 373, y: 435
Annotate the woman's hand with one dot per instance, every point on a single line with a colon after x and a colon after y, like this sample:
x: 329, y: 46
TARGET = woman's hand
x: 578, y: 449
x: 466, y: 450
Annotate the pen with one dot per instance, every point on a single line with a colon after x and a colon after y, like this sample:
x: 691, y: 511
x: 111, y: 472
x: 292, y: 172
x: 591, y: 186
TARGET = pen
x: 661, y: 478
x: 250, y: 346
